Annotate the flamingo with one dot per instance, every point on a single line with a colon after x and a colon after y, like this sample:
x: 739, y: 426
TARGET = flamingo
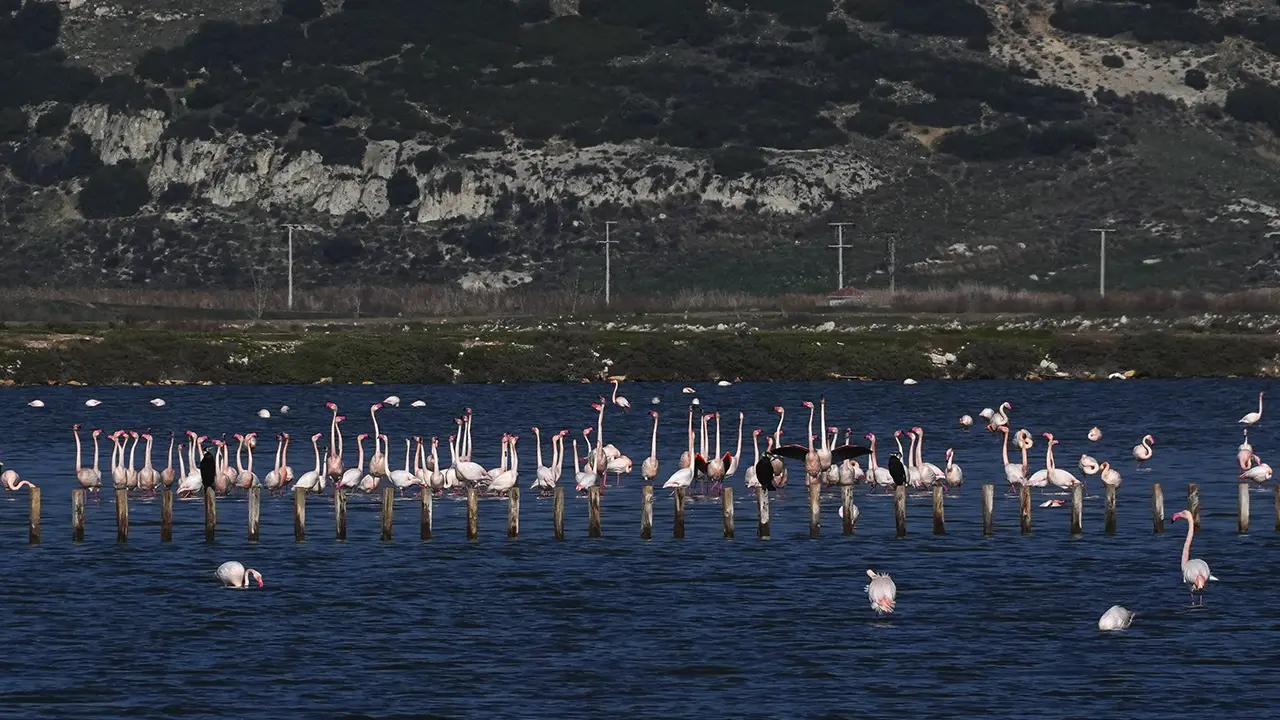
x: 378, y: 461
x: 1259, y: 473
x: 732, y: 466
x: 954, y: 475
x: 683, y: 477
x: 926, y: 468
x: 157, y: 402
x: 619, y: 401
x: 11, y: 481
x: 718, y: 463
x: 1254, y: 417
x: 147, y: 476
x: 812, y: 462
x: 1143, y: 452
x: 168, y: 476
x: 999, y: 418
x: 649, y: 468
x: 233, y: 574
x: 1195, y: 573
x: 1057, y: 476
x: 392, y: 400
x: 351, y: 476
x: 403, y: 479
x: 1109, y: 474
x: 879, y: 475
x: 1088, y: 465
x: 1095, y: 434
x: 1117, y: 617
x: 749, y: 475
x: 779, y: 467
x: 92, y: 402
x: 1244, y: 451
x: 333, y: 462
x: 1015, y: 473
x: 966, y: 421
x: 583, y: 479
x: 274, y: 480
x: 312, y: 480
x: 36, y: 404
x: 90, y: 478
x: 507, y: 479
x: 882, y: 592
x: 544, y: 476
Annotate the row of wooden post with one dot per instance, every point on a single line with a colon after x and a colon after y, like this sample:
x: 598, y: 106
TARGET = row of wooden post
x: 646, y: 514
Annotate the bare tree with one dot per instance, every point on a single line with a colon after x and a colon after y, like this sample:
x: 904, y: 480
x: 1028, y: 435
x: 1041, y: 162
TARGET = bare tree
x: 260, y: 291
x: 356, y: 301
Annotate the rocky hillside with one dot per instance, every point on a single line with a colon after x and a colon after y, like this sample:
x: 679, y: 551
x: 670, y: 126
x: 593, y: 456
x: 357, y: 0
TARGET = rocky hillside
x: 486, y: 142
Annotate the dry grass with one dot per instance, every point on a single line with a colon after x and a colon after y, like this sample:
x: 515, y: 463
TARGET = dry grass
x: 436, y: 301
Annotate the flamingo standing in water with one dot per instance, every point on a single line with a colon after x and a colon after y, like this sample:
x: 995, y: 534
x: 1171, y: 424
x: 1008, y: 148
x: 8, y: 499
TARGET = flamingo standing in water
x: 1254, y: 417
x: 11, y: 481
x: 333, y: 462
x: 1195, y: 572
x: 1095, y: 434
x: 90, y: 478
x: 351, y: 476
x: 683, y: 477
x: 1259, y: 472
x: 1244, y: 451
x: 999, y: 418
x: 619, y: 401
x: 954, y: 474
x: 649, y: 468
x: 1143, y: 452
x: 1015, y: 473
x: 1117, y: 617
x: 168, y: 476
x: 233, y: 574
x: 882, y: 591
x: 1109, y: 474
x: 312, y: 480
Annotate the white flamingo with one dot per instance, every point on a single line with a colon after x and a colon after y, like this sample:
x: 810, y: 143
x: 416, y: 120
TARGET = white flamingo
x: 312, y: 480
x: 1195, y: 572
x: 1109, y: 474
x: 618, y: 400
x: 1095, y: 434
x: 1143, y: 451
x: 234, y: 575
x: 1254, y: 417
x: 882, y: 592
x: 1117, y: 617
x: 1259, y: 472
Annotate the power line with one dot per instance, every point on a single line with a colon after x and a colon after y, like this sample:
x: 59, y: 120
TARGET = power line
x: 840, y: 246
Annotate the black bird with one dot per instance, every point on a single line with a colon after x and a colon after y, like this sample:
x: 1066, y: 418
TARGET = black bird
x: 897, y: 470
x: 208, y: 468
x: 764, y: 472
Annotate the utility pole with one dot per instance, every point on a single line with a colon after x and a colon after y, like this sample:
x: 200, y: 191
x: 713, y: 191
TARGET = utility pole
x: 291, y: 227
x: 607, y: 241
x: 1102, y: 260
x: 893, y: 263
x: 840, y: 246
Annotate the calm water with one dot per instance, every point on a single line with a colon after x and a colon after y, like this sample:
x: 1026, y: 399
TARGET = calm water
x: 999, y: 627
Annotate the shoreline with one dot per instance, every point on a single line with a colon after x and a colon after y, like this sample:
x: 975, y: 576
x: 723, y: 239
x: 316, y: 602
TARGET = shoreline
x: 392, y: 352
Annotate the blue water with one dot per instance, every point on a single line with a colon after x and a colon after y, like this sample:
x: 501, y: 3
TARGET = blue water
x: 1002, y: 627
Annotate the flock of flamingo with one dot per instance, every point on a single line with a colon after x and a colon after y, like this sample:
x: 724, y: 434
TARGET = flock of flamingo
x: 825, y: 462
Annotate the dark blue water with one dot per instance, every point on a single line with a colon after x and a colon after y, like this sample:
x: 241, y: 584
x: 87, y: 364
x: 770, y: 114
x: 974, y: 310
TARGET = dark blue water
x: 1000, y: 627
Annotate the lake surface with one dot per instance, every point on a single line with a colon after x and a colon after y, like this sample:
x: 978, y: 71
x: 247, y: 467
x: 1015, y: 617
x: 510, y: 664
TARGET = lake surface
x: 1002, y: 627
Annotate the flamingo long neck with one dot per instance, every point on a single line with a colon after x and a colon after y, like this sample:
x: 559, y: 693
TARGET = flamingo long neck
x: 317, y: 449
x: 717, y: 434
x: 1186, y: 546
x: 182, y: 463
x: 373, y: 415
x: 146, y: 461
x: 1025, y: 461
x: 615, y: 391
x: 453, y: 452
x: 133, y: 451
x: 920, y: 449
x: 77, y: 434
x: 502, y: 463
x: 576, y: 467
x: 435, y: 456
x: 95, y: 452
x: 279, y: 447
x: 1048, y: 454
x: 1005, y: 450
x: 537, y: 440
x: 1146, y: 445
x: 825, y: 444
x: 1259, y: 406
x: 811, y: 427
x: 736, y: 453
x: 600, y: 435
x: 359, y: 453
x: 557, y: 454
x: 406, y: 454
x: 653, y: 439
x: 284, y: 456
x: 949, y: 463
x: 170, y: 461
x: 468, y: 449
x: 239, y: 454
x: 911, y: 450
x: 691, y: 437
x: 248, y: 449
x: 755, y: 448
x: 334, y: 450
x: 515, y: 457
x: 871, y: 463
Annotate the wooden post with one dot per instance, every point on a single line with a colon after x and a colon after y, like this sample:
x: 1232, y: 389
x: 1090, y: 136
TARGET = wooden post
x: 299, y: 514
x: 939, y: 512
x: 1109, y: 509
x: 593, y: 512
x: 1157, y: 508
x: 255, y: 512
x: 210, y: 515
x: 762, y: 509
x: 988, y: 509
x: 388, y: 511
x: 1278, y: 510
x: 1242, y: 524
x: 513, y: 512
x: 473, y: 513
x: 1077, y: 509
x: 77, y: 515
x: 122, y: 515
x: 1193, y: 502
x: 166, y: 515
x: 815, y: 509
x: 33, y: 520
x: 677, y: 527
x: 726, y: 503
x: 557, y: 512
x: 900, y: 509
x: 339, y: 514
x: 428, y: 508
x: 846, y: 509
x: 646, y: 512
x: 1024, y: 509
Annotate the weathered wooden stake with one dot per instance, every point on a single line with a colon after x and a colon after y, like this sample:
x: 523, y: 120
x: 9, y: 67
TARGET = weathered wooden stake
x: 166, y: 515
x: 424, y: 519
x: 939, y: 512
x: 122, y: 516
x: 339, y: 514
x: 210, y: 515
x: 77, y: 515
x: 988, y: 509
x: 677, y: 527
x: 473, y: 513
x: 815, y: 509
x: 846, y: 509
x: 33, y: 520
x: 299, y: 514
x: 726, y: 504
x: 388, y: 511
x: 255, y: 512
x: 557, y: 512
x: 1109, y: 509
x: 593, y: 512
x: 646, y: 512
x: 1278, y: 510
x: 1024, y: 509
x: 1193, y: 502
x: 900, y: 509
x: 1157, y: 508
x: 762, y: 513
x: 513, y: 512
x: 1077, y: 509
x: 1242, y: 524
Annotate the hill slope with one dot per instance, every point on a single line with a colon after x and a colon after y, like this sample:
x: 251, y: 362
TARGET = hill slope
x: 487, y: 141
